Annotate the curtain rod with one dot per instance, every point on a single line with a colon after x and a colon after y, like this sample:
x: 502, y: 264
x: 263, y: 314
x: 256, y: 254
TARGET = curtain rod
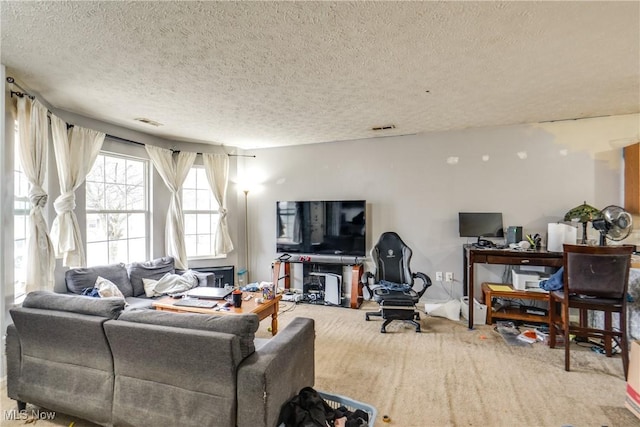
x: 20, y: 94
x: 129, y: 141
x: 12, y: 81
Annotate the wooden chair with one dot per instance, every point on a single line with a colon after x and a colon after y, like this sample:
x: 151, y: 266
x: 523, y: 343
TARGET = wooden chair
x: 595, y: 278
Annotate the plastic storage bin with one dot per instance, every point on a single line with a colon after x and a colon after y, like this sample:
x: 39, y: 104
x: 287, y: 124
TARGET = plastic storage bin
x: 479, y: 311
x: 336, y: 401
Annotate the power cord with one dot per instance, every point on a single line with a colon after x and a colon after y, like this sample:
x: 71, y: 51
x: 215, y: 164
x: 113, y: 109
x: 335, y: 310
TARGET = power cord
x: 286, y: 307
x: 449, y: 291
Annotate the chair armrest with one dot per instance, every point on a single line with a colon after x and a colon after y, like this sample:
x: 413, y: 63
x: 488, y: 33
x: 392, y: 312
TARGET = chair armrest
x: 426, y: 282
x: 274, y: 373
x: 14, y: 362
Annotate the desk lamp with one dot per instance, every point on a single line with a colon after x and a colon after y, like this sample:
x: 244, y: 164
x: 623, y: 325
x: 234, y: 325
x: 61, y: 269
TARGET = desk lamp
x: 583, y: 213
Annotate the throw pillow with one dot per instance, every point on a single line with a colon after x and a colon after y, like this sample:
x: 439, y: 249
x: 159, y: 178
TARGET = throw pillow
x: 154, y: 269
x: 106, y: 288
x: 149, y: 286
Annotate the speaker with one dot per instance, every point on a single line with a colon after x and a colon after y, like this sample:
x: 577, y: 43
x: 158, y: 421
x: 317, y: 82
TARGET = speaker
x: 514, y: 234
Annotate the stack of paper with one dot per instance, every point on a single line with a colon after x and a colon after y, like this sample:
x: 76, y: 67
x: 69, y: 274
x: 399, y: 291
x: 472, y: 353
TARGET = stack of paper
x: 501, y: 288
x: 528, y: 336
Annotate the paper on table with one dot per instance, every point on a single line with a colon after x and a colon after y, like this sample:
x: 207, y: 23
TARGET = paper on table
x: 501, y: 288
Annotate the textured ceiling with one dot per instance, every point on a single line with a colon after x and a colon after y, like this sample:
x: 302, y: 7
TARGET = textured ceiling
x: 264, y: 74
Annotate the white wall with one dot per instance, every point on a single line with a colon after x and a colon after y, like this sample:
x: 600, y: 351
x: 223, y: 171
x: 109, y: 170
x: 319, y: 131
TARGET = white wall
x: 412, y: 189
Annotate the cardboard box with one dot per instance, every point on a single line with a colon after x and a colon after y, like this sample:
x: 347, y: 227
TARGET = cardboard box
x: 479, y: 311
x: 632, y: 402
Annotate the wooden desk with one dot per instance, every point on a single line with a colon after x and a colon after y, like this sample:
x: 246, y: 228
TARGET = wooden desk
x: 264, y: 310
x: 473, y: 255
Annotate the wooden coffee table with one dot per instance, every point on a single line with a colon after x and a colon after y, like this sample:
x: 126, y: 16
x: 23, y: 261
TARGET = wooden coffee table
x: 267, y: 308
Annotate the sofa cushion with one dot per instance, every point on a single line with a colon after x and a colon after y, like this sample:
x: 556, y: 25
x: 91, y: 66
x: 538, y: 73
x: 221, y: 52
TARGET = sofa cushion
x: 153, y: 269
x: 78, y: 279
x: 103, y: 307
x: 244, y: 326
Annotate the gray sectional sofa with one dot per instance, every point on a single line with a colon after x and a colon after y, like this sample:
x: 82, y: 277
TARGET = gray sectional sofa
x: 88, y: 358
x: 128, y: 278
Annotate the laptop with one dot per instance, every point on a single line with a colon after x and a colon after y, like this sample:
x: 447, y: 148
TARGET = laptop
x: 206, y: 292
x: 192, y: 302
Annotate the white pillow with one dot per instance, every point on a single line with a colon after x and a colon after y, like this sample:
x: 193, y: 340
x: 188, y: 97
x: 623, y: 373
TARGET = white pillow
x: 106, y: 288
x: 149, y: 287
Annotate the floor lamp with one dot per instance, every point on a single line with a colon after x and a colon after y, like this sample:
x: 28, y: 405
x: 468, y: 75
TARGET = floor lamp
x: 246, y: 232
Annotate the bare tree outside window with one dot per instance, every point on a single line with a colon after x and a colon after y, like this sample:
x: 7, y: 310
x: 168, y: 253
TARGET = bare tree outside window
x: 116, y: 209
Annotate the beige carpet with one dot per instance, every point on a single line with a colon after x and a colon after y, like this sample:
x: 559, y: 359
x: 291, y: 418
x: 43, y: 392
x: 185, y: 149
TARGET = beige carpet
x: 450, y: 376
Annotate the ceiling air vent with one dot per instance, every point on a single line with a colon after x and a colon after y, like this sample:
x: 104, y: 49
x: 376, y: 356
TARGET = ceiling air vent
x: 387, y: 127
x: 148, y: 121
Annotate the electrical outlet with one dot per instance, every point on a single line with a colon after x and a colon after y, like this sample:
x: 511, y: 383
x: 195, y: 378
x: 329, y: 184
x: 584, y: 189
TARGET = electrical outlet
x: 439, y: 276
x: 449, y: 276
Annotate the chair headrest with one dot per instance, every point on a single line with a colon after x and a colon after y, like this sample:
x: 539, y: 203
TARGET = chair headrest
x: 390, y: 245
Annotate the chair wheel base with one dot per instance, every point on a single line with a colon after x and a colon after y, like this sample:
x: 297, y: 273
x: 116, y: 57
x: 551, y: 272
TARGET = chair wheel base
x: 396, y: 310
x: 383, y: 329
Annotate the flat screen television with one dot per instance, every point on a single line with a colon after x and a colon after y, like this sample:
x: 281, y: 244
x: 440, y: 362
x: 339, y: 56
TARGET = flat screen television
x: 480, y: 224
x: 333, y: 227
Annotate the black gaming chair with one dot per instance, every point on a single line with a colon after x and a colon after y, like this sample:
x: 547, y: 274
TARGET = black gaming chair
x: 393, y: 282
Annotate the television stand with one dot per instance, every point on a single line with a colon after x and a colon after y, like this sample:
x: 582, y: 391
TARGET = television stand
x: 292, y: 276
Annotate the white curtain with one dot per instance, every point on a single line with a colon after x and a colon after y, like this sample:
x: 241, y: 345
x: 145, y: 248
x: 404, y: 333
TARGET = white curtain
x: 33, y: 130
x: 76, y: 151
x: 173, y: 174
x: 217, y: 168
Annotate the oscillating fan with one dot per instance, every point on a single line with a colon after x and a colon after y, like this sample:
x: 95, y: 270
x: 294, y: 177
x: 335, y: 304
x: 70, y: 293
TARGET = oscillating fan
x: 615, y: 224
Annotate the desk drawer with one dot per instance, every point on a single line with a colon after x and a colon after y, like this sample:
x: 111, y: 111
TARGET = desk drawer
x: 523, y: 260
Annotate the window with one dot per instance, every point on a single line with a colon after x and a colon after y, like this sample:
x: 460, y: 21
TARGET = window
x: 200, y: 211
x: 21, y: 208
x: 117, y: 210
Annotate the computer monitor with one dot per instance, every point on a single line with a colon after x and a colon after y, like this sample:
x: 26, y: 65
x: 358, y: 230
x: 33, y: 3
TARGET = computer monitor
x: 480, y: 224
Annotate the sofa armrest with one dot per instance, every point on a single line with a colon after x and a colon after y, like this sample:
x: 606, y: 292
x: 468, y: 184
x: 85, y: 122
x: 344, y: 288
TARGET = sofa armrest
x: 13, y: 354
x: 275, y: 373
